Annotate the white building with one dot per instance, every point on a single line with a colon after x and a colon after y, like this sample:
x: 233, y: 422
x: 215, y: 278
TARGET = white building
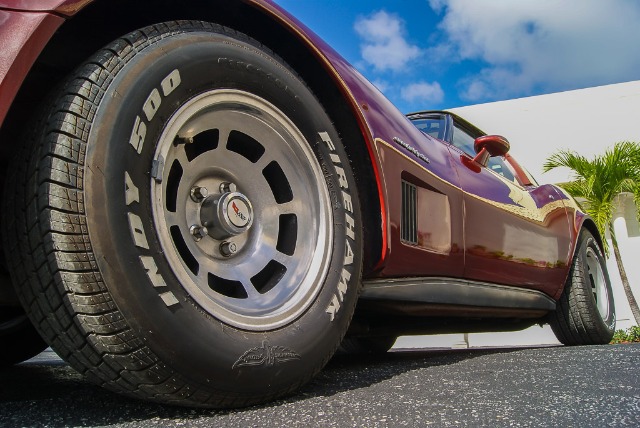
x: 587, y: 121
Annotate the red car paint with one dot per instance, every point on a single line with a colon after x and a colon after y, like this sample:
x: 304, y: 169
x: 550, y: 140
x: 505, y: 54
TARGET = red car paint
x: 23, y: 35
x: 63, y: 7
x: 482, y: 207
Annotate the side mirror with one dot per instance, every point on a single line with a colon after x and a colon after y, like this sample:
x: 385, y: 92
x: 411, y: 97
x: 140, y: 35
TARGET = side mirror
x: 489, y: 146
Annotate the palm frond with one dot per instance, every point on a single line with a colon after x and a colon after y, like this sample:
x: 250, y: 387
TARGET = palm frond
x: 577, y: 189
x: 569, y: 159
x: 599, y: 180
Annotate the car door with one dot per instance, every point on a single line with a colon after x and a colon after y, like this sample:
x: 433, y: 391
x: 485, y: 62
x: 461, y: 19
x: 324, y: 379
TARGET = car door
x: 516, y: 232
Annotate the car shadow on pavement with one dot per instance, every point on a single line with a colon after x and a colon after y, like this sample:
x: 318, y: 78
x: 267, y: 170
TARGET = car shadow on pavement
x: 49, y: 392
x: 350, y: 372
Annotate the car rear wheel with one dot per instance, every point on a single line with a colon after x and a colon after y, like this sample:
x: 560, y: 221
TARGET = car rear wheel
x: 585, y: 314
x: 194, y: 226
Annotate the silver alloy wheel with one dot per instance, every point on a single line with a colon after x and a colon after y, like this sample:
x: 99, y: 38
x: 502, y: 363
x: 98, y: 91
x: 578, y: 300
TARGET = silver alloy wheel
x: 241, y: 210
x: 598, y: 283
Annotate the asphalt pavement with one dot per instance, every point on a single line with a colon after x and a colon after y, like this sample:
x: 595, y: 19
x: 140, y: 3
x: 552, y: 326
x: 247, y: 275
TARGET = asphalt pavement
x: 593, y: 386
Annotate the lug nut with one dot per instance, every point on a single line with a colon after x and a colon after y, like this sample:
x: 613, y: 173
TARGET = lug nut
x: 198, y: 194
x: 228, y: 248
x: 228, y: 187
x: 198, y: 232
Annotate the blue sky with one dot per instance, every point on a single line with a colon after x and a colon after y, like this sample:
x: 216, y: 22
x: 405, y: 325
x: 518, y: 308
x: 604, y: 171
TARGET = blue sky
x: 432, y: 54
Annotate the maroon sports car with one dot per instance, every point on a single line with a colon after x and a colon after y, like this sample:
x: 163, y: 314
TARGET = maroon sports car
x: 202, y: 201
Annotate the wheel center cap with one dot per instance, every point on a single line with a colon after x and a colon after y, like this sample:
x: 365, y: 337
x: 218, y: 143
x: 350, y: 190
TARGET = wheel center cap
x: 226, y: 215
x: 239, y: 212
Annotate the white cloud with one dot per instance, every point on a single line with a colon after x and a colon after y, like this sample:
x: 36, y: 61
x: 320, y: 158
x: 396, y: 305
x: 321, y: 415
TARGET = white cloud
x: 384, y: 45
x: 541, y: 44
x: 423, y: 92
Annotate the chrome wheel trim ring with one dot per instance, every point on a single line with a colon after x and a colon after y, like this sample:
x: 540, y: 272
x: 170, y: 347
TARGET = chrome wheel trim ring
x: 597, y: 283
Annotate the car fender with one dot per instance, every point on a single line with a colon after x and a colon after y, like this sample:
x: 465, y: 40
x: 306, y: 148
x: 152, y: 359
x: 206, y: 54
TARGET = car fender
x: 26, y: 28
x: 578, y: 220
x: 33, y: 24
x: 383, y: 126
x: 374, y: 112
x: 23, y: 36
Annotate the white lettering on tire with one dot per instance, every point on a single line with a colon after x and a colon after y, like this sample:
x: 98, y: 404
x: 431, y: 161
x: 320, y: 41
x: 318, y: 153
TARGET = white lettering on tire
x: 157, y: 280
x: 137, y: 231
x: 132, y: 192
x: 150, y: 107
x: 152, y: 271
x: 138, y: 134
x: 152, y: 104
x: 171, y: 82
x: 345, y: 275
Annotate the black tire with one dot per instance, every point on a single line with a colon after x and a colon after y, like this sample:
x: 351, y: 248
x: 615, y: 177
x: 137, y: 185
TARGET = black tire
x: 144, y: 306
x: 585, y: 314
x: 19, y: 341
x: 367, y: 345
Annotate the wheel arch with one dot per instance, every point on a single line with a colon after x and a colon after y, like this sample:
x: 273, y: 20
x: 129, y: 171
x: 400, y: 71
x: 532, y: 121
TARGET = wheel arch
x: 590, y: 225
x: 102, y: 21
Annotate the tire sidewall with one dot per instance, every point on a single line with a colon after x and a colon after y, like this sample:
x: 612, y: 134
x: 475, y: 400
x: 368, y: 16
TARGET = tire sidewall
x: 184, y: 336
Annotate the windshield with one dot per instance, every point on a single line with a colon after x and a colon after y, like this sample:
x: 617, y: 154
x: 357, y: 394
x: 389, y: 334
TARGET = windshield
x: 433, y: 126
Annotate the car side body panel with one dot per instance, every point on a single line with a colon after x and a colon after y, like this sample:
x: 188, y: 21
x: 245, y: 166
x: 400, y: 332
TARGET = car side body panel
x: 399, y: 152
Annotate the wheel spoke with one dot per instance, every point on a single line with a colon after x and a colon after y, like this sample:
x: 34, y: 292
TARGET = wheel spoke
x: 284, y: 260
x: 292, y: 207
x: 181, y: 156
x: 202, y: 276
x: 172, y: 219
x: 252, y: 293
x: 223, y: 137
x: 262, y: 163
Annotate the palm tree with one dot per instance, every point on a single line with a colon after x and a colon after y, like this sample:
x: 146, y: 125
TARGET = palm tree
x: 598, y: 182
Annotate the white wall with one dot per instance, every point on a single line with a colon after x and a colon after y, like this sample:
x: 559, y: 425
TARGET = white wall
x: 587, y: 121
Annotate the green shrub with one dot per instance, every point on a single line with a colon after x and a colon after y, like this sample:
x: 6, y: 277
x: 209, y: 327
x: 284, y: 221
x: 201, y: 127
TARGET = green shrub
x: 629, y: 335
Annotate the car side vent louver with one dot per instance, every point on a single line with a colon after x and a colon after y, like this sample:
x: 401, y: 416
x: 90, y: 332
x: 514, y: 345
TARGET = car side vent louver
x: 409, y: 225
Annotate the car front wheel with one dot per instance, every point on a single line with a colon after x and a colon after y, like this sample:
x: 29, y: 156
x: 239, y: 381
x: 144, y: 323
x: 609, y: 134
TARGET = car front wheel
x: 193, y: 221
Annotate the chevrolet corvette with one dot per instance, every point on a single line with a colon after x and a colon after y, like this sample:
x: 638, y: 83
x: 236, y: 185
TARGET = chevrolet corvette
x: 202, y: 201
